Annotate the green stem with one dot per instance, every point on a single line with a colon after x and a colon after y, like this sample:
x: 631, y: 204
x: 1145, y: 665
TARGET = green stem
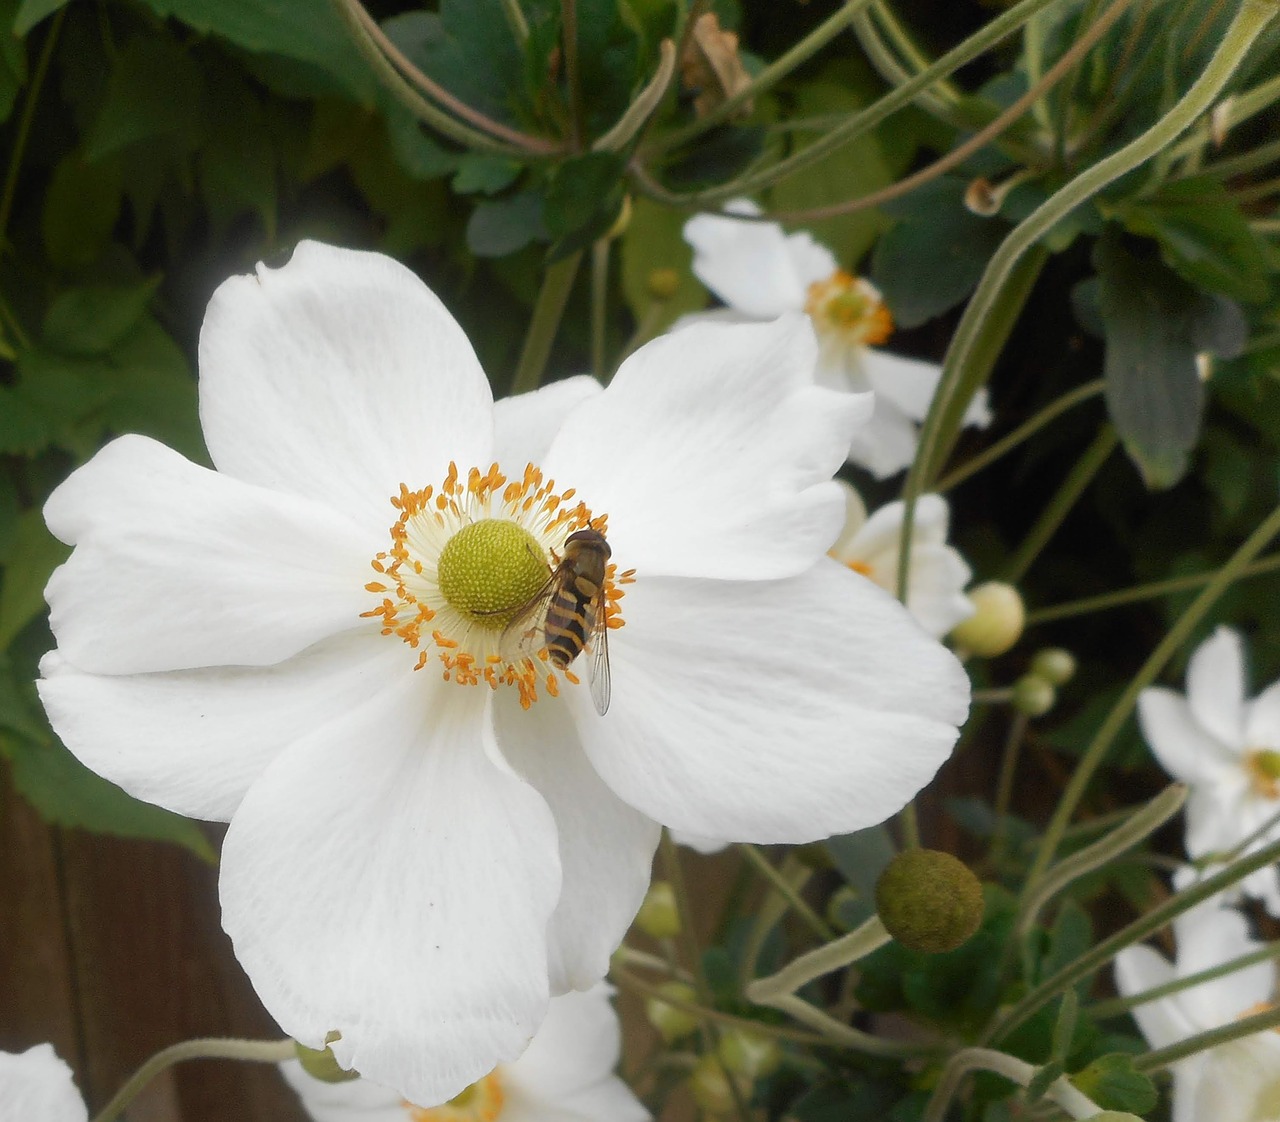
x: 1007, y: 444
x: 24, y: 125
x: 572, y: 78
x: 786, y: 889
x: 1238, y: 109
x: 894, y: 73
x: 1004, y: 785
x: 251, y: 1051
x: 909, y: 824
x: 516, y: 21
x: 637, y: 114
x: 1114, y: 1007
x: 547, y: 313
x: 839, y: 1033
x: 1142, y: 592
x: 770, y: 912
x: 1053, y: 515
x: 835, y: 955
x: 1120, y: 711
x: 1246, y: 161
x: 1203, y: 1041
x: 1060, y: 1091
x: 599, y: 305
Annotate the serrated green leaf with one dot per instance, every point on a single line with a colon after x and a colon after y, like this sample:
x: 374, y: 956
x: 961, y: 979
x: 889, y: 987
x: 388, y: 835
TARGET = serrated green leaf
x: 155, y: 89
x: 932, y: 258
x: 91, y: 319
x: 1113, y: 1083
x: 502, y: 226
x: 479, y: 173
x: 654, y: 240
x: 81, y: 205
x: 31, y: 12
x: 33, y: 557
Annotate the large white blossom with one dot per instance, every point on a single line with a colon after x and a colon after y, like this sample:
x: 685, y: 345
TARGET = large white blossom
x: 1227, y: 750
x: 36, y: 1086
x: 565, y: 1075
x: 760, y: 272
x: 432, y: 832
x: 1235, y: 1082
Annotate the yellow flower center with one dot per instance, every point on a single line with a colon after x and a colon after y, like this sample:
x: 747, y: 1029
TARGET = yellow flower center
x: 481, y: 1102
x: 850, y: 308
x: 469, y: 568
x: 1263, y: 766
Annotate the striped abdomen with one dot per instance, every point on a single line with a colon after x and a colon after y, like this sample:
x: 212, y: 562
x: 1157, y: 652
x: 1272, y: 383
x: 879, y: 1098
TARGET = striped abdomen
x: 577, y: 598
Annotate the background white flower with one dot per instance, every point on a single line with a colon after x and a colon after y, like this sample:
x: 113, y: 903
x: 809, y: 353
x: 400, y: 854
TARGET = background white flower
x: 936, y: 575
x: 760, y: 272
x: 36, y: 1086
x: 565, y: 1075
x: 1227, y: 749
x: 412, y: 863
x: 1235, y: 1082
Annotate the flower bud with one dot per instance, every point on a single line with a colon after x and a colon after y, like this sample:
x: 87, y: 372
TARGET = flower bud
x: 662, y: 283
x: 622, y: 221
x: 659, y: 917
x: 1055, y: 665
x: 842, y: 898
x: 1033, y: 696
x: 748, y: 1054
x: 710, y: 1087
x: 929, y: 901
x: 996, y: 623
x: 321, y: 1064
x: 672, y: 1024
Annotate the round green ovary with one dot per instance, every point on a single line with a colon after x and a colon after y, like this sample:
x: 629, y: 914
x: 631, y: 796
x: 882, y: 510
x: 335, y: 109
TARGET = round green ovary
x: 488, y: 570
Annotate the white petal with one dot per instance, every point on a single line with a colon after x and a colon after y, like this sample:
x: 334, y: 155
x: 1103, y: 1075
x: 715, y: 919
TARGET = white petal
x: 698, y: 842
x: 194, y: 740
x: 177, y: 566
x: 1215, y: 686
x: 909, y: 383
x: 36, y: 1086
x: 339, y: 376
x: 1213, y: 818
x: 1183, y: 747
x: 1162, y: 1021
x: 712, y: 453
x: 715, y: 315
x: 1208, y: 936
x: 754, y: 267
x: 845, y: 549
x: 524, y: 425
x: 358, y: 1100
x: 886, y: 443
x: 935, y: 588
x: 1240, y: 1081
x: 773, y: 712
x: 385, y: 879
x: 606, y: 847
x: 1262, y: 719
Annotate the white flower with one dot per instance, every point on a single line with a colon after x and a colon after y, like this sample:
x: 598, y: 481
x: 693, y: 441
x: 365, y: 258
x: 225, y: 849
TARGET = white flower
x: 565, y: 1075
x: 418, y: 858
x: 1227, y: 750
x: 936, y: 575
x: 36, y: 1086
x: 1234, y: 1082
x: 760, y: 272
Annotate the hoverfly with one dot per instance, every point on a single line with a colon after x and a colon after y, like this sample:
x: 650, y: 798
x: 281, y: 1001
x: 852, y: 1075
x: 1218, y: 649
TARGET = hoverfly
x: 567, y: 615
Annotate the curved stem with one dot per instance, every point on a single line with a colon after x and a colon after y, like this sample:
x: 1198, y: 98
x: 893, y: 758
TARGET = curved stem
x: 835, y: 955
x: 211, y: 1048
x: 787, y: 891
x: 1203, y: 1041
x: 557, y: 283
x: 1060, y: 1091
x: 647, y: 100
x: 516, y: 21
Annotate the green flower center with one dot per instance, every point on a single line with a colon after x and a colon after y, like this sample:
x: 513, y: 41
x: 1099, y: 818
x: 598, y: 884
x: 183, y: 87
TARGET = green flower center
x: 490, y: 569
x: 1267, y: 761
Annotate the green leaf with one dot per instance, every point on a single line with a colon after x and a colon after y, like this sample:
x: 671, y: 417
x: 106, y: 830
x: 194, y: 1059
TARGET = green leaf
x: 237, y: 162
x: 933, y: 257
x: 1072, y: 935
x: 417, y: 152
x: 580, y: 190
x: 501, y: 227
x: 155, y: 89
x: 1203, y: 236
x: 90, y: 320
x: 23, y: 431
x: 1156, y: 324
x: 31, y: 12
x: 81, y: 204
x: 32, y: 559
x: 64, y: 390
x: 13, y: 58
x: 1113, y: 1083
x: 479, y: 173
x: 715, y: 156
x: 653, y: 240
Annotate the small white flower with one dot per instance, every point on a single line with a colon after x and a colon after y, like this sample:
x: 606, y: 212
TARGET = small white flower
x: 1234, y: 1082
x: 565, y: 1075
x: 936, y: 575
x: 36, y: 1086
x: 432, y: 831
x: 1227, y: 750
x: 760, y: 272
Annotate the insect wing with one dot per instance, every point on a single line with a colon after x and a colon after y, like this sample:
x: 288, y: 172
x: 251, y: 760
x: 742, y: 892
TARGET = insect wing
x: 598, y: 655
x: 526, y: 635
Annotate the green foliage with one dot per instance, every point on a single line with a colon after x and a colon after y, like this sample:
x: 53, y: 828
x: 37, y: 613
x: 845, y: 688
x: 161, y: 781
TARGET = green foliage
x: 1113, y: 1083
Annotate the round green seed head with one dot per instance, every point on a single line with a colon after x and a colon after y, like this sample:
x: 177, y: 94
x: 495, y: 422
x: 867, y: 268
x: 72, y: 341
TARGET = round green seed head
x: 748, y: 1054
x: 1054, y: 665
x: 929, y: 901
x: 659, y: 917
x: 673, y: 1024
x: 320, y: 1063
x: 490, y: 569
x: 1033, y: 696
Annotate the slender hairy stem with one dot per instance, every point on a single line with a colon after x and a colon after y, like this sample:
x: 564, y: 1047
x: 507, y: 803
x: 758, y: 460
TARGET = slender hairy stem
x: 1060, y: 1091
x: 516, y: 21
x: 1237, y: 109
x: 892, y: 70
x: 572, y: 76
x: 835, y: 955
x: 547, y: 313
x: 1257, y: 157
x: 28, y: 115
x: 1025, y: 430
x: 647, y: 100
x: 1203, y: 1041
x: 212, y: 1048
x: 1004, y: 785
x: 770, y: 912
x: 1142, y: 592
x: 839, y: 1033
x: 1053, y: 515
x: 1121, y: 710
x: 786, y: 889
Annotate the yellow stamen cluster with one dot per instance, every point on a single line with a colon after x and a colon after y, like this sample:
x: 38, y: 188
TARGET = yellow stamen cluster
x: 849, y: 307
x: 467, y: 561
x: 481, y: 1102
x: 1263, y: 766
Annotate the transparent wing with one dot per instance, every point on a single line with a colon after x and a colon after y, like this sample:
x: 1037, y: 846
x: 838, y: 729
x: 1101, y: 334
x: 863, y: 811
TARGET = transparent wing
x: 598, y: 655
x: 526, y: 635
